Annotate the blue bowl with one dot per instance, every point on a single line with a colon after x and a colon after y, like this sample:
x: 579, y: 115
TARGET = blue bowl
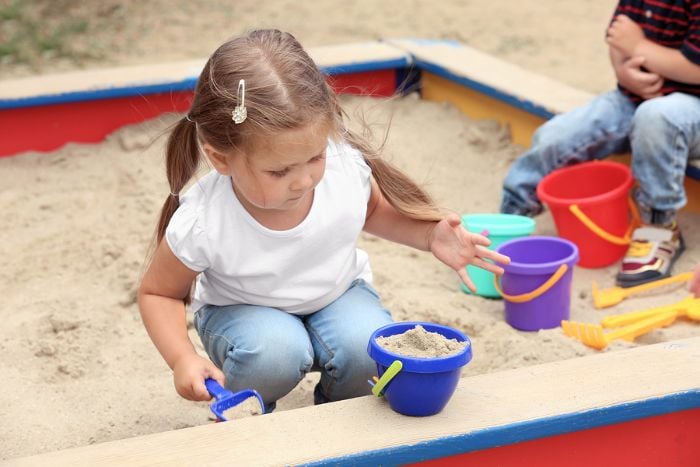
x: 424, y: 385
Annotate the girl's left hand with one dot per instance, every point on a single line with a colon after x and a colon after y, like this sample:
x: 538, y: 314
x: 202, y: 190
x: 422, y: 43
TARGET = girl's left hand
x: 456, y: 247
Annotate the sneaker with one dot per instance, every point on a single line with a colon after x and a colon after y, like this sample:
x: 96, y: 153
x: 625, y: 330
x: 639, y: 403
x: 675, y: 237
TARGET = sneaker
x: 651, y: 255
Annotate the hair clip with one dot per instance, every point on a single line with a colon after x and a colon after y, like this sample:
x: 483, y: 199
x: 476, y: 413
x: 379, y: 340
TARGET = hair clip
x: 240, y: 113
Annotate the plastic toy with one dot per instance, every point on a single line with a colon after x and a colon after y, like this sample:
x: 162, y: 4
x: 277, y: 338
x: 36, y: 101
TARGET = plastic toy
x: 688, y: 308
x: 536, y: 285
x: 603, y: 298
x: 633, y: 324
x: 499, y: 228
x: 226, y: 399
x: 593, y: 336
x: 590, y: 206
x: 417, y: 386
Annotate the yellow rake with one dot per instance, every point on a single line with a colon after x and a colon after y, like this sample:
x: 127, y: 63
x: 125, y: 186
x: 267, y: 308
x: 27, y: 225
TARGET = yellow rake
x: 630, y: 325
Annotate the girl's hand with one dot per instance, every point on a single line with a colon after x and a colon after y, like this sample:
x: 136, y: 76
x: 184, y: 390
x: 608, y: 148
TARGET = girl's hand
x: 189, y: 373
x: 625, y: 35
x: 695, y: 282
x: 456, y: 247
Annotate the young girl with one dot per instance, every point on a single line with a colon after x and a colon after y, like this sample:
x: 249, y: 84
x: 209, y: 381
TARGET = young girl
x: 269, y: 236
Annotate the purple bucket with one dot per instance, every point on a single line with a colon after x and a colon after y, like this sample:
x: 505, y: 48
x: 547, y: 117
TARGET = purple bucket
x: 536, y: 285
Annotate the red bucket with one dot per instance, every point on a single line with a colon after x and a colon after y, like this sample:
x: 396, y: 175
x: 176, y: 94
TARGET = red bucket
x: 591, y: 207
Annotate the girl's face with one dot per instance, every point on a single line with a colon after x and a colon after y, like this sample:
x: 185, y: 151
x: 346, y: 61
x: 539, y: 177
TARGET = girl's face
x: 280, y: 172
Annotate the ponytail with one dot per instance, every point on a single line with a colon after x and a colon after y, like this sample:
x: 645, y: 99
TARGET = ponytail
x: 397, y: 187
x: 182, y: 160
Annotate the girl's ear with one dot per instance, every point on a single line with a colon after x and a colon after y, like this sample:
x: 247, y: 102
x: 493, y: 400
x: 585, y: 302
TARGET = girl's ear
x: 218, y: 160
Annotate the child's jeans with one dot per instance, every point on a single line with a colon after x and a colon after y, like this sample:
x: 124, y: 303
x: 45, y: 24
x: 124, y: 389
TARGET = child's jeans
x: 270, y: 350
x: 663, y: 134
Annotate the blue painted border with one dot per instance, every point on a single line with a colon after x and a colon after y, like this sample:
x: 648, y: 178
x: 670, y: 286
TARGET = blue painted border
x: 527, y: 106
x: 692, y: 172
x: 358, y: 67
x: 520, y: 431
x: 98, y: 94
x: 187, y: 84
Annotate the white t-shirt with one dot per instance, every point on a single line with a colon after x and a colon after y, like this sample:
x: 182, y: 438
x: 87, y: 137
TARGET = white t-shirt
x: 300, y: 270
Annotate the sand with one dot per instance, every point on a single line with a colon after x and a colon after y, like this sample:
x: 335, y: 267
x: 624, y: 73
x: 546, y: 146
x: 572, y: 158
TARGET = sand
x: 419, y: 342
x: 246, y: 408
x: 77, y: 365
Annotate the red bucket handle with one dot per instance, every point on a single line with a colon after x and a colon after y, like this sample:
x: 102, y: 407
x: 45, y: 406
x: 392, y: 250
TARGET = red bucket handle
x: 596, y: 229
x: 526, y: 297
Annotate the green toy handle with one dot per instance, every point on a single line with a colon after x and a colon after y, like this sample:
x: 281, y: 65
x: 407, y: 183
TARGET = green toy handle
x: 393, y: 370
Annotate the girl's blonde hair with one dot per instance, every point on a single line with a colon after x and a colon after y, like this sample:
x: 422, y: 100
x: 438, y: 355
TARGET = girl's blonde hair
x: 284, y: 90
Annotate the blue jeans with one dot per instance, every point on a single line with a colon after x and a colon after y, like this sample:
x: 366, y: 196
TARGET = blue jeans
x: 663, y: 134
x: 270, y: 350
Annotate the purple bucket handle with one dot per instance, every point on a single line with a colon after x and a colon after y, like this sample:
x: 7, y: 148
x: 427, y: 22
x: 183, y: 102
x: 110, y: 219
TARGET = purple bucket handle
x: 526, y: 297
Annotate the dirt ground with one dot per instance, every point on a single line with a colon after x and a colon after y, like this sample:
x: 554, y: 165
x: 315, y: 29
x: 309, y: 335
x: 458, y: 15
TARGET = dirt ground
x: 562, y: 39
x: 77, y: 364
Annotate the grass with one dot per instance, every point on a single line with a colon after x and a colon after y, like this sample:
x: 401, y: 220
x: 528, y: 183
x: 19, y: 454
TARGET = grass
x: 32, y: 31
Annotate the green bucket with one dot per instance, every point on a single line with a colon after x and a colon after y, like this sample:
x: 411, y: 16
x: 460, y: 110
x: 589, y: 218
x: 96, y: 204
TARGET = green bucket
x: 499, y: 228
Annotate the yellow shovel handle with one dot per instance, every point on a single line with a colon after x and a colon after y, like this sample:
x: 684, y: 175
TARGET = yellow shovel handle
x: 642, y: 326
x: 593, y: 227
x: 683, y: 277
x: 634, y: 316
x: 526, y: 297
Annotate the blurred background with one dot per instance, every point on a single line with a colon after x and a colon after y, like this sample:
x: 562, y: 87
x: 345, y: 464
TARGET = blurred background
x: 562, y: 39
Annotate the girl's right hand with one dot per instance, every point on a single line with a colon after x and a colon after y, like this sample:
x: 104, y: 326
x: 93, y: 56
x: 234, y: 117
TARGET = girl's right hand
x: 189, y: 373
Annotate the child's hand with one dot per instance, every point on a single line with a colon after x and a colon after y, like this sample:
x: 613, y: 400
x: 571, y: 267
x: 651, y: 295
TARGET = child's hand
x: 695, y: 282
x: 456, y: 247
x: 189, y: 373
x: 643, y: 83
x: 625, y: 35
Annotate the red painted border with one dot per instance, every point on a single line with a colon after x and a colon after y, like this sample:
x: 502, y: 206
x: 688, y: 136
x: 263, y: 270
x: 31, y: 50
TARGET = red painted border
x: 666, y: 440
x: 366, y: 83
x: 48, y: 127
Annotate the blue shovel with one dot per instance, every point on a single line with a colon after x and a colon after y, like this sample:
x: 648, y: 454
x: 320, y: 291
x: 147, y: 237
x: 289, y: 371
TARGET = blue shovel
x: 226, y: 399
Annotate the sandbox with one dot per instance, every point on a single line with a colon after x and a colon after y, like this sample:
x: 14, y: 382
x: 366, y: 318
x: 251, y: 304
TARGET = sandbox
x: 80, y: 217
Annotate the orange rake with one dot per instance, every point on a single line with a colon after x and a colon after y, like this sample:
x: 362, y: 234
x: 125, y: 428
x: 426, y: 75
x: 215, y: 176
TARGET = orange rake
x: 593, y: 335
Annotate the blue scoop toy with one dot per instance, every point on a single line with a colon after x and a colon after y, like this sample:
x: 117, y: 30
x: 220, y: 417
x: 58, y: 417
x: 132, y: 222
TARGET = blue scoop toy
x: 226, y: 399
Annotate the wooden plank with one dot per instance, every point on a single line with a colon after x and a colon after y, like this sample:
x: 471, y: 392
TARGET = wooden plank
x: 85, y: 106
x: 93, y: 80
x: 176, y: 76
x: 532, y: 91
x: 486, y: 411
